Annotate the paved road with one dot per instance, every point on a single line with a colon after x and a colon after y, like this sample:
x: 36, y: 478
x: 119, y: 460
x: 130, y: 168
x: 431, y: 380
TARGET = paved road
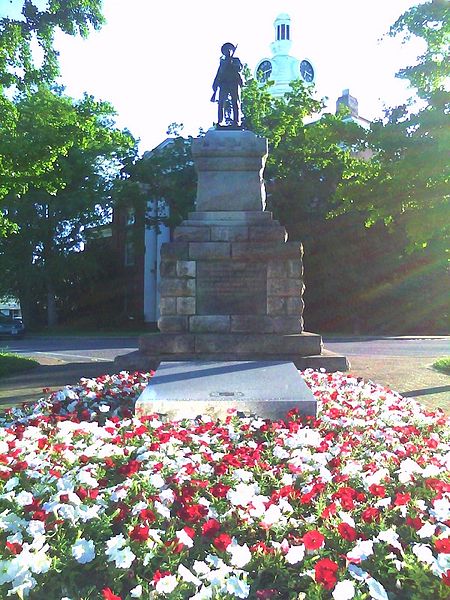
x: 95, y: 349
x: 398, y: 346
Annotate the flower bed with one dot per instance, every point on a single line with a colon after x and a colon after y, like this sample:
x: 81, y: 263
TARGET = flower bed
x: 95, y: 504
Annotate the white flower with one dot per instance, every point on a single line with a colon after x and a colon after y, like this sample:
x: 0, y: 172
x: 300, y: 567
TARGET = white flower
x: 200, y: 567
x: 24, y: 498
x: 83, y: 551
x: 184, y: 538
x: 11, y: 483
x: 427, y: 530
x: 271, y: 516
x: 423, y: 553
x: 104, y: 408
x: 390, y: 537
x: 136, y: 592
x: 295, y: 554
x: 441, y: 510
x: 376, y: 590
x: 166, y: 584
x: 347, y: 518
x: 237, y: 587
x: 240, y: 555
x: 187, y: 576
x: 361, y: 551
x: 162, y: 510
x: 242, y: 495
x: 157, y: 481
x: 123, y: 558
x: 344, y: 590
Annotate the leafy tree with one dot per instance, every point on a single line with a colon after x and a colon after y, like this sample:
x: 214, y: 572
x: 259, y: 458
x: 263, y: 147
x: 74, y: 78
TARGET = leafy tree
x: 28, y: 162
x: 409, y: 187
x: 166, y: 174
x: 54, y: 212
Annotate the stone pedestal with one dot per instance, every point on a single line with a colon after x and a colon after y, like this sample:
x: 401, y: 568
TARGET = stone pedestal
x: 231, y: 283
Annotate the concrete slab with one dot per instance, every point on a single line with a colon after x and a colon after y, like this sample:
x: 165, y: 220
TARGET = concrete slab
x: 268, y: 389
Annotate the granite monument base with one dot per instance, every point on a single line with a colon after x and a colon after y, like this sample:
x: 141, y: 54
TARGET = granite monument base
x: 184, y: 390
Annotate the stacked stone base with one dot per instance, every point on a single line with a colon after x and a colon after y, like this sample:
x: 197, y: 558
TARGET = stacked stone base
x: 231, y: 289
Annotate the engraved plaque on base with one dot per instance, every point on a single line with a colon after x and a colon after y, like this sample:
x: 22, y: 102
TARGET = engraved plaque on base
x: 235, y: 287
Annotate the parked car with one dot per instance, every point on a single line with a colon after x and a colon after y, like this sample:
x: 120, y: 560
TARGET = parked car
x: 11, y: 327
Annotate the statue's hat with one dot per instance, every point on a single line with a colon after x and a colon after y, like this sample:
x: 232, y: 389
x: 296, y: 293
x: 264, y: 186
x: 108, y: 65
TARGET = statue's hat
x: 226, y: 47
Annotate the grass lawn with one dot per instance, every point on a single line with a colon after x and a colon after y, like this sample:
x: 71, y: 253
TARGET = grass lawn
x: 12, y: 363
x: 443, y: 364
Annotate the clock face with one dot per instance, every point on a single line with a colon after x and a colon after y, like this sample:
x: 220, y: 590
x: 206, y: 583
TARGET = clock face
x: 306, y: 71
x: 264, y: 71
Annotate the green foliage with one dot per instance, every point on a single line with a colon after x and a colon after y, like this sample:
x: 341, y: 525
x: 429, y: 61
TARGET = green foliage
x: 165, y: 174
x: 443, y: 364
x: 409, y: 186
x: 18, y: 65
x: 53, y: 212
x: 26, y: 159
x: 10, y: 364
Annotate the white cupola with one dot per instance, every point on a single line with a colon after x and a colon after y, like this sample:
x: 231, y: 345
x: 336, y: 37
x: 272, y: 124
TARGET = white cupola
x: 281, y: 67
x: 282, y: 26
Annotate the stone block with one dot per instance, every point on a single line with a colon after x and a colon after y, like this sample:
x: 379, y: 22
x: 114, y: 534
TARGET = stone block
x: 251, y: 323
x: 283, y: 286
x: 265, y: 251
x: 287, y: 324
x: 278, y: 268
x: 185, y: 306
x: 295, y: 305
x: 235, y: 217
x: 189, y: 233
x: 177, y: 250
x: 172, y: 324
x: 268, y: 389
x: 168, y: 268
x: 186, y: 268
x: 167, y: 343
x: 209, y: 323
x: 168, y: 306
x: 295, y: 268
x: 229, y: 233
x: 177, y: 287
x: 209, y: 250
x: 272, y: 233
x: 255, y: 344
x: 276, y: 305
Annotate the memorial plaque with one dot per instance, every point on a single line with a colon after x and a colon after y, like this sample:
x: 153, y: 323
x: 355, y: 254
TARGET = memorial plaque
x: 231, y: 288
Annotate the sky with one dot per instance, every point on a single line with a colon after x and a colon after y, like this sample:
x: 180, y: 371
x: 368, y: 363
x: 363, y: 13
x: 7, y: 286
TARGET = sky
x: 155, y: 60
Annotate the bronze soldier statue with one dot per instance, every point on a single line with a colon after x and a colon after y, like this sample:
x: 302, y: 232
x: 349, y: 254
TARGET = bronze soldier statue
x: 229, y: 82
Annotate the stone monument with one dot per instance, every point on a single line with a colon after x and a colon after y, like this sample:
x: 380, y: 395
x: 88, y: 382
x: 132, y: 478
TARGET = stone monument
x: 231, y: 327
x: 231, y: 283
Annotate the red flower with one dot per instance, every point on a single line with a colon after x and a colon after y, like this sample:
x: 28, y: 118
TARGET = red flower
x: 325, y: 571
x: 147, y: 515
x: 139, y: 533
x: 14, y: 547
x: 313, y: 540
x: 377, y: 490
x: 370, y: 514
x: 159, y: 575
x: 222, y: 541
x: 210, y: 528
x: 416, y: 523
x: 401, y: 499
x: 442, y: 545
x: 192, y: 513
x: 347, y: 532
x: 219, y: 490
x: 109, y: 595
x: 446, y: 578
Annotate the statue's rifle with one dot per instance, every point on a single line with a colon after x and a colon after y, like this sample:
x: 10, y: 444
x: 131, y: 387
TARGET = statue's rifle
x: 213, y: 97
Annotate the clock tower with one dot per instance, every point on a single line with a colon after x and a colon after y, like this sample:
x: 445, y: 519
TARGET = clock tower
x: 281, y: 67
